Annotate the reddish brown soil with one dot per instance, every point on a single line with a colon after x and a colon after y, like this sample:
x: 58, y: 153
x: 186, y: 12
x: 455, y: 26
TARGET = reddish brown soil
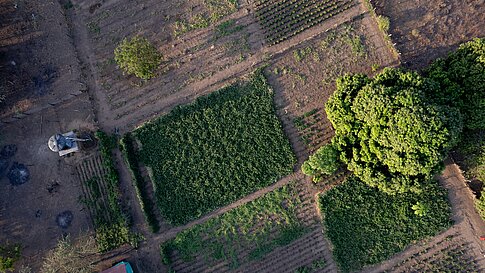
x: 424, y: 30
x: 50, y: 53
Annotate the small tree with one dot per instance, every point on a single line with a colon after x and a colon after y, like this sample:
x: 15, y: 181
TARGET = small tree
x: 323, y: 162
x: 137, y: 56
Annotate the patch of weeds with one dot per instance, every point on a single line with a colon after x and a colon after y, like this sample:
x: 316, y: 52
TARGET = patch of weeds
x: 356, y: 45
x: 300, y: 77
x: 302, y: 53
x: 93, y: 27
x: 212, y: 11
x: 227, y: 28
x: 384, y: 23
x: 9, y: 254
x: 375, y: 67
x: 302, y: 269
x: 258, y: 226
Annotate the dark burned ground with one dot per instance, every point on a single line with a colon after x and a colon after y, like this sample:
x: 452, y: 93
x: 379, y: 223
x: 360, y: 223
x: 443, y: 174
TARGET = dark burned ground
x: 37, y: 211
x: 38, y: 62
x: 424, y: 30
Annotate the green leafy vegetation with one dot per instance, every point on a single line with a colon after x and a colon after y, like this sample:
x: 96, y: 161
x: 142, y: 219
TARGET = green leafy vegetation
x: 211, y: 11
x: 146, y: 205
x: 302, y: 53
x: 462, y: 80
x: 368, y: 226
x: 227, y: 28
x: 9, y: 254
x: 323, y: 162
x: 137, y: 56
x: 388, y: 132
x: 110, y: 222
x: 216, y: 150
x: 283, y: 19
x: 258, y: 226
x: 383, y: 23
x: 472, y: 149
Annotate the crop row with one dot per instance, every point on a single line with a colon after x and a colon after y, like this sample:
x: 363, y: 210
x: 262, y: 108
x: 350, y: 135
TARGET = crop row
x: 312, y: 19
x: 216, y: 150
x: 281, y: 18
x: 103, y: 199
x: 288, y: 18
x: 128, y: 150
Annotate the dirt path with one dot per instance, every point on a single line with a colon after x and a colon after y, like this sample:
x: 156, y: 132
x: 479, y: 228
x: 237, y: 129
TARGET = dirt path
x: 468, y: 225
x: 129, y: 105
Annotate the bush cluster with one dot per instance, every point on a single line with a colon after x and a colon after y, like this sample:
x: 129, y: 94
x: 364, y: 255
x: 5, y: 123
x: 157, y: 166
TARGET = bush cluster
x: 394, y: 130
x: 137, y: 56
x: 325, y: 161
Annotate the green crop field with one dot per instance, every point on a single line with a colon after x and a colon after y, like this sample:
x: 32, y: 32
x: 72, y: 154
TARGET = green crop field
x: 216, y: 150
x: 367, y: 226
x: 258, y: 226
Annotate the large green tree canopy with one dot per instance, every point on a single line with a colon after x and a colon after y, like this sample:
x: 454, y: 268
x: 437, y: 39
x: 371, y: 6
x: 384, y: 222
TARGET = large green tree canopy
x: 388, y: 131
x: 462, y: 81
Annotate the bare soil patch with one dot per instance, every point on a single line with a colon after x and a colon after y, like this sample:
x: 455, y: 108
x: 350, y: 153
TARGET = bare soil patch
x: 195, y: 63
x: 425, y: 30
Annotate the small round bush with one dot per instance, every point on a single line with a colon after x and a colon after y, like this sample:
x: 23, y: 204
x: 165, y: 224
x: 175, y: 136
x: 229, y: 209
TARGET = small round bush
x: 325, y: 161
x: 137, y: 56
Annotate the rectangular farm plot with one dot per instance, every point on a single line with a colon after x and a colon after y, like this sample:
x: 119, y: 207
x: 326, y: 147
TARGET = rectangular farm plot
x: 216, y: 150
x: 282, y: 19
x: 367, y: 226
x: 244, y: 237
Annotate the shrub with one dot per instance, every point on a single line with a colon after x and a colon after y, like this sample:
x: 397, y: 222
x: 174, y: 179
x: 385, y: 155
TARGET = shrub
x: 9, y: 254
x: 324, y: 162
x: 137, y: 56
